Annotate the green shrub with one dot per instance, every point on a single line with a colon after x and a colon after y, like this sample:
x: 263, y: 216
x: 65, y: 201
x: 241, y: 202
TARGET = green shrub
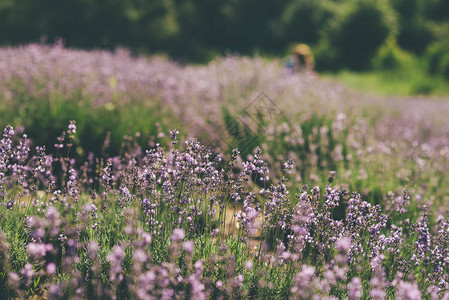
x: 390, y: 57
x: 51, y: 115
x: 326, y: 56
x: 359, y: 29
x: 437, y: 56
x: 415, y: 36
x: 437, y: 9
x: 444, y: 65
x: 303, y: 20
x: 422, y: 87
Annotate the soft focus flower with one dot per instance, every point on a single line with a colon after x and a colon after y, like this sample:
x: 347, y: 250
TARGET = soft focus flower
x: 72, y: 128
x: 188, y: 246
x: 178, y: 235
x: 51, y: 268
x: 38, y: 250
x: 355, y: 289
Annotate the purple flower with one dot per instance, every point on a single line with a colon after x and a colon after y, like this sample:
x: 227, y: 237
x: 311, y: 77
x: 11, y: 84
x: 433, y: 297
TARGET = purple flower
x: 92, y: 249
x: 188, y: 246
x: 355, y: 289
x: 343, y: 244
x: 10, y: 204
x: 72, y: 128
x: 139, y: 256
x: 27, y: 272
x: 38, y: 250
x: 249, y: 265
x: 51, y: 268
x: 115, y: 259
x: 178, y: 235
x: 289, y: 165
x: 173, y: 134
x: 407, y: 290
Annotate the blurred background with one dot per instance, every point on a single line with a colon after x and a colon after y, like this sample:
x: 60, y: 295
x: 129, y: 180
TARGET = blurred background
x: 354, y: 35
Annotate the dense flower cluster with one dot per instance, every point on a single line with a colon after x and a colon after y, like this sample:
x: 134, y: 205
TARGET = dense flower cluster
x: 161, y: 230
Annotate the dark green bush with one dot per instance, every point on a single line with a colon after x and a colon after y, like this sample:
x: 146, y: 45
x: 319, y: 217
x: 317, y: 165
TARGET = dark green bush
x: 437, y: 57
x: 326, y: 56
x: 444, y: 65
x: 415, y: 36
x: 422, y: 87
x: 304, y: 20
x: 358, y: 31
x: 437, y: 9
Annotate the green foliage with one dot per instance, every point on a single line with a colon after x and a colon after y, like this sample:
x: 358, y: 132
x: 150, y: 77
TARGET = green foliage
x: 415, y: 35
x: 422, y: 87
x: 51, y: 116
x: 303, y: 20
x: 390, y: 56
x: 444, y: 65
x: 359, y: 29
x: 137, y: 24
x: 437, y: 57
x: 437, y: 9
x: 326, y: 56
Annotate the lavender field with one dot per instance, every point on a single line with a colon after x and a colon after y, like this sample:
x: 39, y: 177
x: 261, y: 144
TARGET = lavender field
x: 128, y: 177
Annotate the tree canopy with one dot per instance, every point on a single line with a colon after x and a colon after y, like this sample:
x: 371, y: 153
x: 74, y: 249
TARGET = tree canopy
x: 346, y: 33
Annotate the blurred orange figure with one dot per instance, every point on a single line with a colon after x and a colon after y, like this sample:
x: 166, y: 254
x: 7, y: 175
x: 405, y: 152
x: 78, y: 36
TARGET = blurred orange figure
x: 302, y: 58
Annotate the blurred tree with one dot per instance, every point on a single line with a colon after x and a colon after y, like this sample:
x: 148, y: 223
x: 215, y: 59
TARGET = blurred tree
x: 253, y: 24
x: 415, y: 36
x: 390, y: 56
x: 438, y: 10
x: 359, y: 29
x: 437, y: 57
x: 83, y: 23
x: 152, y: 25
x: 87, y: 23
x: 202, y: 29
x: 303, y: 20
x: 15, y: 20
x: 343, y: 33
x: 414, y: 31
